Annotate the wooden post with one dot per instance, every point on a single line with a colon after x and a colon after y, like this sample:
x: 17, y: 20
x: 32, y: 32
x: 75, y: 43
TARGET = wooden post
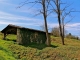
x: 4, y: 36
x: 19, y: 38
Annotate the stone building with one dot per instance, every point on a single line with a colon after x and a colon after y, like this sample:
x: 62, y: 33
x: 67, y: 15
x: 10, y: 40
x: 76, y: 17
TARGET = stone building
x: 25, y: 35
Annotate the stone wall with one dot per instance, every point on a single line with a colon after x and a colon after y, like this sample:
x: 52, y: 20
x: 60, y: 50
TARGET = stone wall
x: 26, y: 36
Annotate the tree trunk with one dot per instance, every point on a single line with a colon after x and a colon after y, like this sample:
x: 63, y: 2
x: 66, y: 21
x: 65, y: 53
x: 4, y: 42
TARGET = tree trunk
x: 45, y: 22
x: 59, y: 20
x: 61, y: 33
x: 4, y: 36
x: 47, y: 35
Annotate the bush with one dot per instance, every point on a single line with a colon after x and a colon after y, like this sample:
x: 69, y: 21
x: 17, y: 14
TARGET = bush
x: 70, y: 36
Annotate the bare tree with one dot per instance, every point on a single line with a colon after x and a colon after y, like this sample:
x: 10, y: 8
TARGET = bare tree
x: 62, y: 13
x: 55, y: 31
x: 44, y: 11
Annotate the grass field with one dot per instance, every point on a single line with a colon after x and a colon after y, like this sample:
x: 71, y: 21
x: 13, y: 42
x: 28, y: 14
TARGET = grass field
x: 10, y: 50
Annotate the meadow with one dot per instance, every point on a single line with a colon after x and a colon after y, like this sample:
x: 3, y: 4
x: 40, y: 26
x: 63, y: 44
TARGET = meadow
x: 10, y: 50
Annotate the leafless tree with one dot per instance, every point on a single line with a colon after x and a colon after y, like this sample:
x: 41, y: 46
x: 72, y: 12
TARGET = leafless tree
x: 44, y: 11
x: 55, y: 31
x: 62, y: 13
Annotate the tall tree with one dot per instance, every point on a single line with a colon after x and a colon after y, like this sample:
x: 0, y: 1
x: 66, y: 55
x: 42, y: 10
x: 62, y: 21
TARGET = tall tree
x: 44, y: 11
x: 62, y: 13
x: 45, y: 4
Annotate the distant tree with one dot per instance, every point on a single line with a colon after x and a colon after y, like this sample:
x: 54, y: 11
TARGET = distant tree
x: 55, y: 32
x: 77, y: 38
x: 70, y: 36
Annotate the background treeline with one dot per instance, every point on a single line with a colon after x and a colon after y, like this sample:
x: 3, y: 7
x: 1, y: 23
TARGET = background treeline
x: 55, y: 33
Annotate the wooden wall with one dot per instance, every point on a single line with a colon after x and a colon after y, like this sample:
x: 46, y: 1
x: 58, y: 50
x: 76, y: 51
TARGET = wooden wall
x: 25, y: 36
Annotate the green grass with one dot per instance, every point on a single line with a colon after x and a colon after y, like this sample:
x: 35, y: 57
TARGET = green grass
x: 11, y: 37
x: 5, y: 53
x: 9, y: 50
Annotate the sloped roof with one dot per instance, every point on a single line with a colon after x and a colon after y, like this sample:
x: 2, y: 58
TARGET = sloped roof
x: 13, y: 29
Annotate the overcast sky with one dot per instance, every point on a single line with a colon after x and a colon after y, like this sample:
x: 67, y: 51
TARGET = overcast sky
x: 9, y: 14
